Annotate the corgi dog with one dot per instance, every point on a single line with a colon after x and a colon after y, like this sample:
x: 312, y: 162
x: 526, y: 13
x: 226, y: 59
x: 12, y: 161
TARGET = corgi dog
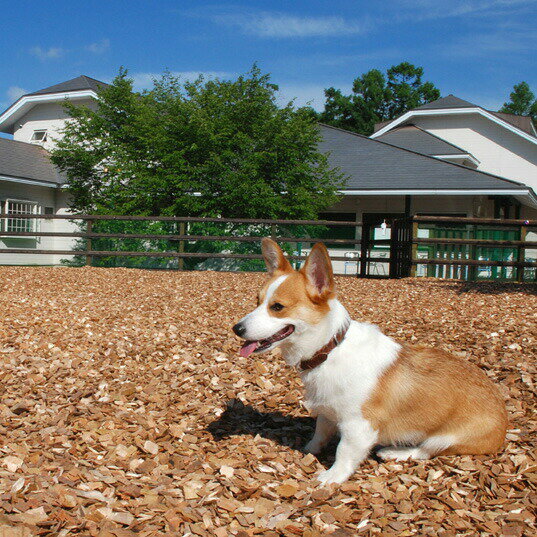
x: 415, y: 401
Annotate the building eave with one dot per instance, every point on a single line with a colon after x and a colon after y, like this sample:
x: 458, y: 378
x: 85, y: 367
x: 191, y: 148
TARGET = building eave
x: 461, y: 157
x: 451, y: 112
x: 25, y: 181
x: 26, y: 102
x: 525, y: 196
x: 435, y: 192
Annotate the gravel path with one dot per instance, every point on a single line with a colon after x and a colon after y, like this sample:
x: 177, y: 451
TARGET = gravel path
x: 126, y: 410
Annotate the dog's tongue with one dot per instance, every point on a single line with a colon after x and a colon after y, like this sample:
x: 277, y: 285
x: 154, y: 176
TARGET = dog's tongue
x: 248, y: 348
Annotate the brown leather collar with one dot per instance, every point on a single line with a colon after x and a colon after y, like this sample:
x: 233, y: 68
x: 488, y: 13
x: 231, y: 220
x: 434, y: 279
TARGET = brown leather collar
x: 322, y: 354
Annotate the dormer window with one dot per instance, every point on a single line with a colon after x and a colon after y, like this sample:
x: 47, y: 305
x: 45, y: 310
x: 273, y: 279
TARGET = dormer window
x: 39, y: 136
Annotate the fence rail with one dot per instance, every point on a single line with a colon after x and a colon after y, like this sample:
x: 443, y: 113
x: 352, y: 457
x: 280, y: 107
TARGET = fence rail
x: 185, y: 219
x: 177, y: 237
x: 175, y: 245
x: 453, y: 246
x: 461, y: 256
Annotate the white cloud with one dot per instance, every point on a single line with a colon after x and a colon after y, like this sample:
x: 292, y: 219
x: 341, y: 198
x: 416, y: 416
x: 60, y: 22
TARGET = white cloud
x: 491, y: 44
x: 145, y: 80
x: 14, y: 92
x: 268, y: 24
x: 47, y: 54
x: 432, y: 9
x: 99, y: 47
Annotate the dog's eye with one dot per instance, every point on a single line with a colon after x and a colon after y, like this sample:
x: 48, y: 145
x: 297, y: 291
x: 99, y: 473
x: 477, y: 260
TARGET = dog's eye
x: 277, y: 306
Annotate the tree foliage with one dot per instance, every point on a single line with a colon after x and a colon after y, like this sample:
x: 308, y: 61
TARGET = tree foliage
x: 378, y: 97
x: 522, y: 103
x: 203, y: 148
x: 219, y: 148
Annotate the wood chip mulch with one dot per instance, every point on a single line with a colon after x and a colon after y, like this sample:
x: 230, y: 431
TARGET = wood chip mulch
x: 126, y: 410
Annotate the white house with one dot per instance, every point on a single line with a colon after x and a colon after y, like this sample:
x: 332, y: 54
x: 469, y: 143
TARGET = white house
x: 501, y: 144
x: 29, y: 182
x: 449, y: 157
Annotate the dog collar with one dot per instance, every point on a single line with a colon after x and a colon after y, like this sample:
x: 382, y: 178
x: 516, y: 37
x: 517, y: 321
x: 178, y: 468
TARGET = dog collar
x: 322, y: 354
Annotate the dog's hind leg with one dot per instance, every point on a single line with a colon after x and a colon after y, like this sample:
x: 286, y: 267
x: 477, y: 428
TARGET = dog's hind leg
x: 427, y: 449
x: 324, y: 430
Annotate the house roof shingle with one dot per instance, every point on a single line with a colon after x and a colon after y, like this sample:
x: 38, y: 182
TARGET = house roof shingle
x: 371, y: 164
x: 524, y: 123
x: 81, y: 82
x: 22, y: 160
x: 421, y: 141
x: 446, y: 102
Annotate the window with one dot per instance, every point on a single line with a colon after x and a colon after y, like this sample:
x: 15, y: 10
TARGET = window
x: 39, y: 136
x: 15, y: 225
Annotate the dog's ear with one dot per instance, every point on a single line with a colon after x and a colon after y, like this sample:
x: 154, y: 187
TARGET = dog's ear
x: 274, y: 258
x: 318, y: 272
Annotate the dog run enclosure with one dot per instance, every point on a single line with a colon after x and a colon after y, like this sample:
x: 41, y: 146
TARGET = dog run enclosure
x: 433, y: 246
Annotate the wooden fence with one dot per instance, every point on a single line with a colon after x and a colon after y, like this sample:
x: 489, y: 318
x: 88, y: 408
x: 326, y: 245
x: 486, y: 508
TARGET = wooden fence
x: 181, y: 237
x: 463, y: 248
x: 447, y: 247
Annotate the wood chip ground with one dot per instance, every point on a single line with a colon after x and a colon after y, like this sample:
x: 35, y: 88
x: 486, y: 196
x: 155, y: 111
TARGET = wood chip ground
x: 126, y: 410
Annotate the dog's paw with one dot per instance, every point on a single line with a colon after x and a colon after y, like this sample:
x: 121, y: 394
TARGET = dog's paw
x: 313, y: 447
x: 333, y: 475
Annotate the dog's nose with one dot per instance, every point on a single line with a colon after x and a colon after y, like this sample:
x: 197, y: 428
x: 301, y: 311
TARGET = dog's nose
x: 239, y: 329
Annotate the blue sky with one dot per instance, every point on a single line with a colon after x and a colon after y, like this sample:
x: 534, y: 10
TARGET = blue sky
x: 476, y: 49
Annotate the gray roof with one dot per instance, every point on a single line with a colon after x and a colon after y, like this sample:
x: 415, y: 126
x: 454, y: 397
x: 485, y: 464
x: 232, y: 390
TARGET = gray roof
x: 524, y: 123
x: 416, y: 139
x: 22, y: 160
x: 446, y: 102
x: 371, y: 164
x: 368, y: 164
x: 81, y: 82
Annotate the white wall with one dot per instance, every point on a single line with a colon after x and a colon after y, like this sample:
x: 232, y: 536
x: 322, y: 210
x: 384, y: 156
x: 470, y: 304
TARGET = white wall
x: 49, y: 116
x: 45, y: 197
x: 499, y: 151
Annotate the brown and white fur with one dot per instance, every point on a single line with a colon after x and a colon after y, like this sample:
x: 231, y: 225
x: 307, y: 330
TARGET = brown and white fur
x: 418, y: 401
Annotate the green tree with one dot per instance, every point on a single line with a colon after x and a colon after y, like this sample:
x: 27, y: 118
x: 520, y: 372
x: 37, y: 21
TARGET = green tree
x: 522, y: 103
x: 202, y: 148
x: 219, y: 148
x: 378, y: 97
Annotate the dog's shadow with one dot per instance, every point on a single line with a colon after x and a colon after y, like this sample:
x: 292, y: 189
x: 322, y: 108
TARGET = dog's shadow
x: 290, y: 431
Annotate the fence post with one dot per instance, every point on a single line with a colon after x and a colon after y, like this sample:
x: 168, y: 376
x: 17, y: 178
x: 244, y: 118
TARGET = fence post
x: 364, y: 245
x: 394, y: 250
x: 89, y: 228
x: 181, y: 260
x: 521, y: 257
x: 414, y: 249
x: 359, y: 229
x: 472, y: 269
